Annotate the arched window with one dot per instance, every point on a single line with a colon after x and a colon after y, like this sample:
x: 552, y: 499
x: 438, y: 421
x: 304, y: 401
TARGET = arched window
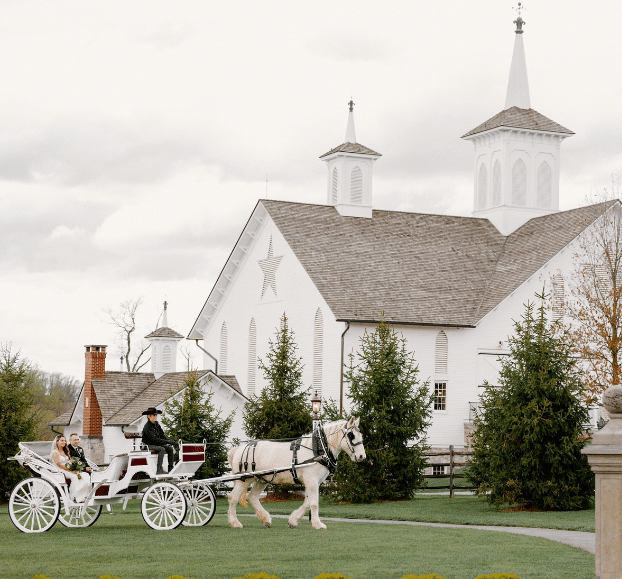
x: 440, y: 366
x: 356, y: 186
x: 496, y: 184
x: 223, y: 348
x: 252, y: 357
x: 544, y: 185
x: 558, y: 297
x: 335, y: 184
x: 482, y: 186
x: 519, y: 184
x: 318, y: 346
x: 166, y: 359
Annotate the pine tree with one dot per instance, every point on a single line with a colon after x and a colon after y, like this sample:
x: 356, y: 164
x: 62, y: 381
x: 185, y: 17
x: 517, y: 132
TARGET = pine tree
x: 282, y: 408
x: 192, y: 417
x: 395, y: 409
x: 529, y: 431
x: 18, y: 421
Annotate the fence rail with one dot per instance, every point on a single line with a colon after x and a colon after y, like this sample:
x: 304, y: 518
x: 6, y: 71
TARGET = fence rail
x: 452, y: 464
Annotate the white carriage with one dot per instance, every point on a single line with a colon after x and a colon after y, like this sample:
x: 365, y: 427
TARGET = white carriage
x: 167, y: 500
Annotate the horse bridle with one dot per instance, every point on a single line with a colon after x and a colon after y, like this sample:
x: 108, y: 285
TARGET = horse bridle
x: 349, y: 435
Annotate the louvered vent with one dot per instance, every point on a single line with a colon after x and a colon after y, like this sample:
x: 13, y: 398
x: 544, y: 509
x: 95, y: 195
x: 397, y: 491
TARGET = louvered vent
x: 496, y: 184
x: 223, y: 348
x: 335, y: 184
x: 166, y: 359
x: 482, y: 185
x: 356, y: 187
x: 440, y: 366
x: 252, y: 357
x: 154, y: 356
x: 519, y: 184
x: 544, y: 185
x: 318, y: 346
x: 558, y: 297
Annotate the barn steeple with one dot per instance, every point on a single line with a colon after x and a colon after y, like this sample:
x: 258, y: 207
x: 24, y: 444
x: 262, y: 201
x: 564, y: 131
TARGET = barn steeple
x: 517, y: 154
x: 350, y: 169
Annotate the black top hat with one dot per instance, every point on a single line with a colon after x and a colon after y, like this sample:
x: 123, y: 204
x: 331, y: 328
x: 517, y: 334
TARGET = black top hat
x: 151, y: 410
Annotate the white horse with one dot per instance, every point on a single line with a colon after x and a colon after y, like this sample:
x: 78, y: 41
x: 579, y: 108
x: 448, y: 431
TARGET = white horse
x: 265, y: 454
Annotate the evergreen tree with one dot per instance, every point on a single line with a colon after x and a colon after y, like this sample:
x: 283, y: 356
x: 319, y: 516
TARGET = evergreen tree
x: 192, y: 417
x: 395, y: 409
x: 529, y: 431
x: 18, y: 421
x: 282, y: 408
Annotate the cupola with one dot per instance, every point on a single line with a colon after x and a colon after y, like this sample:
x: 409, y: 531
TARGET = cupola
x: 164, y: 342
x: 350, y: 170
x: 517, y: 154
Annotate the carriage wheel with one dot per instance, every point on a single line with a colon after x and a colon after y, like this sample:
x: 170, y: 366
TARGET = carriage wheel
x: 163, y: 506
x: 90, y: 515
x: 34, y: 505
x: 201, y: 505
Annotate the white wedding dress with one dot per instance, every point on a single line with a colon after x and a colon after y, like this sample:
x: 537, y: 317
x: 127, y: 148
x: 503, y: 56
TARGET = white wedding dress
x: 79, y: 487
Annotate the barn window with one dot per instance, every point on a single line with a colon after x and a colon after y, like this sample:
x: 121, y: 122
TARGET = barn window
x: 482, y: 186
x: 223, y: 348
x: 166, y: 359
x: 496, y: 184
x: 440, y: 366
x: 440, y: 395
x: 519, y: 184
x: 356, y: 186
x: 252, y: 357
x: 318, y: 346
x: 335, y: 185
x: 438, y: 470
x: 544, y: 185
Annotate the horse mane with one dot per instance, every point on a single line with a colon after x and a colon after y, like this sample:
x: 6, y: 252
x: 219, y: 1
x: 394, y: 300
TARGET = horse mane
x: 331, y: 429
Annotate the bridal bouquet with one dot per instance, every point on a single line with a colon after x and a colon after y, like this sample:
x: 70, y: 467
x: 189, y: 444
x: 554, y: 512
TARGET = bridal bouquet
x: 76, y: 465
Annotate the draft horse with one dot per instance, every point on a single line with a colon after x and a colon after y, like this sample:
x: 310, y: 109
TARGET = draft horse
x: 318, y: 452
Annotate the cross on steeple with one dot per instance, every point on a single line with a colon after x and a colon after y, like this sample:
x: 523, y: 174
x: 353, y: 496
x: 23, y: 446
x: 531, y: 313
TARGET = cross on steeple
x: 351, y: 105
x: 519, y: 21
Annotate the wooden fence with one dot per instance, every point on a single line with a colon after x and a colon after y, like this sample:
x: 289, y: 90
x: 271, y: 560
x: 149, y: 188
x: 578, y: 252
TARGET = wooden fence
x: 453, y: 464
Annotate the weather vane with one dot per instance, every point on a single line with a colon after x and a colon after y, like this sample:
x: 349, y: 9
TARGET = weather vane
x: 351, y: 104
x: 519, y: 21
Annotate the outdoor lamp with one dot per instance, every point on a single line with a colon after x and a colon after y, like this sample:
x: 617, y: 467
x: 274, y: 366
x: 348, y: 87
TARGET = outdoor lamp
x: 316, y: 404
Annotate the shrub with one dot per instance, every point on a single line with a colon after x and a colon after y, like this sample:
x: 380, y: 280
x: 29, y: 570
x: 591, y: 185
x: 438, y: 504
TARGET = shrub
x: 179, y: 577
x: 261, y: 575
x: 40, y: 577
x: 106, y: 576
x: 331, y: 576
x: 431, y: 576
x: 498, y: 576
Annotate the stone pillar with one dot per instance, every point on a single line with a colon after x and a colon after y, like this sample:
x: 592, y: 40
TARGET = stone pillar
x: 605, y: 458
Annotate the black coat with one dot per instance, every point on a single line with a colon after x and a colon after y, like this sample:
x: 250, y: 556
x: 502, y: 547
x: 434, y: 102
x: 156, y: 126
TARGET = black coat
x: 154, y: 435
x: 78, y: 452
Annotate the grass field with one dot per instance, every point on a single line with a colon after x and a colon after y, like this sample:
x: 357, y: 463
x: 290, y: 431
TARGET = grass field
x: 124, y: 546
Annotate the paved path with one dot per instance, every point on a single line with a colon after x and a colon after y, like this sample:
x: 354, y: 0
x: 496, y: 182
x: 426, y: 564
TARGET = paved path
x: 579, y: 539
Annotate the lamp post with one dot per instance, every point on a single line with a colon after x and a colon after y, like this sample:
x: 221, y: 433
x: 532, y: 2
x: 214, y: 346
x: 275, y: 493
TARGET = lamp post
x: 316, y: 405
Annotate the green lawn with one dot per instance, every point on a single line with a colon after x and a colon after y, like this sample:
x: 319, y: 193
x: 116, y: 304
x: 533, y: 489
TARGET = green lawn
x: 124, y: 546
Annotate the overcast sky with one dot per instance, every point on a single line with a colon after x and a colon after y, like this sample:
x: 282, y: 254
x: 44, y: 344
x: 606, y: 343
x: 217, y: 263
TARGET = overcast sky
x: 136, y: 137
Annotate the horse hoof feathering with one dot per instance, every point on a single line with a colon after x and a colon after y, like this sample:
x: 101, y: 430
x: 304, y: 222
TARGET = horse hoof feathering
x: 314, y: 454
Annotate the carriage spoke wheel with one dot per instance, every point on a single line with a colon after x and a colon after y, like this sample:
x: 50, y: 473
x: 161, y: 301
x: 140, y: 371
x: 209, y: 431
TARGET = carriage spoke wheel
x: 163, y: 506
x: 89, y: 516
x: 34, y: 505
x: 201, y: 505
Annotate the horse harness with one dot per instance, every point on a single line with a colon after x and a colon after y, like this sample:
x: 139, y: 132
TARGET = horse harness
x: 319, y: 446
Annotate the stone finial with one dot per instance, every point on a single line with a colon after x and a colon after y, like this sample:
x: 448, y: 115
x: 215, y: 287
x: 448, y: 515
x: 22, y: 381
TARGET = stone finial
x: 519, y: 21
x: 612, y: 399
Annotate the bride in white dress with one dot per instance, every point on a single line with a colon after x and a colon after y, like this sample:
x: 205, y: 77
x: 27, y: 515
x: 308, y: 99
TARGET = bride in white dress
x: 79, y: 487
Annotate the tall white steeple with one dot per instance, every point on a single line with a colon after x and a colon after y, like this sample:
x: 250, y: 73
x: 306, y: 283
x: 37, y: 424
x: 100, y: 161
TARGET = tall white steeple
x: 350, y: 170
x: 164, y: 342
x: 517, y: 155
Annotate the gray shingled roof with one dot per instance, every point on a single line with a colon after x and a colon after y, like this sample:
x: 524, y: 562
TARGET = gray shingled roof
x: 419, y: 268
x: 62, y: 420
x: 233, y: 382
x: 521, y: 119
x: 118, y: 388
x: 351, y: 148
x: 164, y: 333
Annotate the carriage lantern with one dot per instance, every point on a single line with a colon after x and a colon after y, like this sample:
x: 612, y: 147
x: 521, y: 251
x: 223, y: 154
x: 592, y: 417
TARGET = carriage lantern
x: 316, y: 404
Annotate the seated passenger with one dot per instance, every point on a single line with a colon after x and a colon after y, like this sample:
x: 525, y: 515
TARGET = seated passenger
x: 80, y: 482
x: 155, y: 439
x: 76, y: 450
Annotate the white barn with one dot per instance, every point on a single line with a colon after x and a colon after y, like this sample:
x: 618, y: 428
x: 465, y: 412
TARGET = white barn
x: 451, y: 285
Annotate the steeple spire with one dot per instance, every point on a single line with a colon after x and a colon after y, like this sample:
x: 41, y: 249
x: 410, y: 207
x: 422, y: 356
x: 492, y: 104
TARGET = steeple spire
x: 518, y: 85
x: 350, y: 133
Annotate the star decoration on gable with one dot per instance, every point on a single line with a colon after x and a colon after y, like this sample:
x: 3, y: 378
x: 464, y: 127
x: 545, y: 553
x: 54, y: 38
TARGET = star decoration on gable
x: 269, y: 266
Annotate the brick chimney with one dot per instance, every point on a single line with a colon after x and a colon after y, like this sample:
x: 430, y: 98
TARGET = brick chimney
x: 95, y: 368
